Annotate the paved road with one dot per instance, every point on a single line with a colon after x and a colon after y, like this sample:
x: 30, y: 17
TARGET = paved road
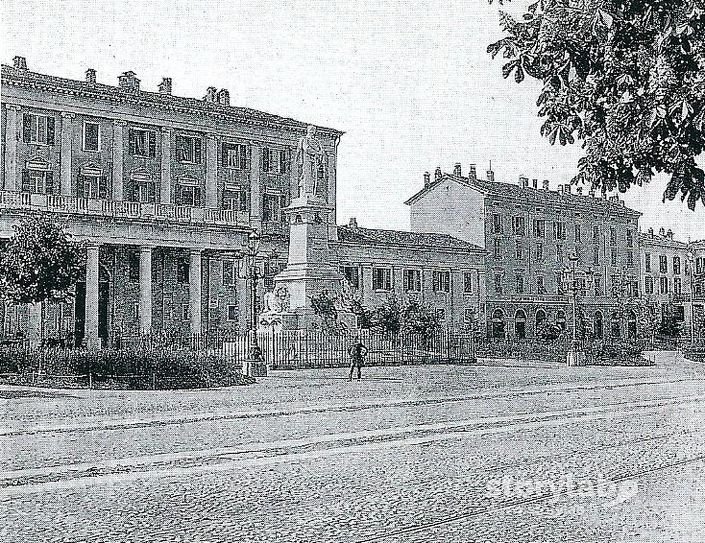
x: 486, y: 453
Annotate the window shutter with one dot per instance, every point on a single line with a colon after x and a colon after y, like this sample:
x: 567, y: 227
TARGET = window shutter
x: 265, y: 159
x: 246, y: 157
x: 152, y: 144
x: 197, y: 201
x: 197, y: 150
x: 243, y: 200
x: 224, y: 155
x: 25, y: 181
x: 80, y: 186
x: 150, y: 192
x: 27, y: 128
x: 103, y: 188
x: 49, y: 182
x: 50, y: 130
x: 133, y: 142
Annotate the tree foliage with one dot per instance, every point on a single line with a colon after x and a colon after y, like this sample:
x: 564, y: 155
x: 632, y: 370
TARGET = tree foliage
x: 39, y: 263
x: 626, y: 78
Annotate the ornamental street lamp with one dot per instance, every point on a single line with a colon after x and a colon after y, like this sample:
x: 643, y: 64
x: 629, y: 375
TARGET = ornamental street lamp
x: 251, y: 272
x: 575, y: 282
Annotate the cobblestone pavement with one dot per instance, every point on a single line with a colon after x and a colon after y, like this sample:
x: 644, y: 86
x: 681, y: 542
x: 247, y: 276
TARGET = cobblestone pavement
x: 408, y: 454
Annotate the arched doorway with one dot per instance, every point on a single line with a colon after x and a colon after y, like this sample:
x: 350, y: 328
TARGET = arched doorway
x: 561, y: 320
x: 498, y: 326
x: 520, y: 324
x: 598, y: 328
x: 616, y: 325
x: 631, y: 325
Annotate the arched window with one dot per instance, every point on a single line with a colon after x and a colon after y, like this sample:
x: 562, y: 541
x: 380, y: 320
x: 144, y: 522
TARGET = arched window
x: 561, y: 320
x: 520, y: 324
x: 598, y: 328
x: 631, y: 325
x: 540, y: 318
x: 616, y: 325
x: 498, y: 324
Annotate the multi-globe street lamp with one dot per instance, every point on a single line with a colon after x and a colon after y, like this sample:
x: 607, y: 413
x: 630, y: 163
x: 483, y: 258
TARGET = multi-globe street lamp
x: 576, y: 281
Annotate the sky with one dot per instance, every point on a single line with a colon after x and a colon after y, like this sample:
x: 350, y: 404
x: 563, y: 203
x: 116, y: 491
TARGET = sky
x: 410, y: 84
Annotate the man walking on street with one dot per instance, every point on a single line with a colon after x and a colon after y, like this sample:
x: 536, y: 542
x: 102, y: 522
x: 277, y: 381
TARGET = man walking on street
x: 357, y: 352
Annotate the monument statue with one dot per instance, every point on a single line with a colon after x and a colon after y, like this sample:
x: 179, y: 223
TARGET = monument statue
x: 312, y: 159
x: 275, y: 303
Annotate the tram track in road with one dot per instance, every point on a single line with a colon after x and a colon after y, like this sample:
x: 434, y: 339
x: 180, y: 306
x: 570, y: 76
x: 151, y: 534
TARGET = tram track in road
x: 126, y: 424
x: 401, y: 533
x: 329, y: 445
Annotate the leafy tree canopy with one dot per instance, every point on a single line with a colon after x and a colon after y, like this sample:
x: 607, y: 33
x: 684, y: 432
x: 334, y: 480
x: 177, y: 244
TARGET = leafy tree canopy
x: 626, y: 78
x: 39, y: 263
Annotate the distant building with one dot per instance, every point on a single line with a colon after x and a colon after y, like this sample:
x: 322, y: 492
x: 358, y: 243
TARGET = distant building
x: 529, y: 231
x: 697, y: 276
x: 443, y: 273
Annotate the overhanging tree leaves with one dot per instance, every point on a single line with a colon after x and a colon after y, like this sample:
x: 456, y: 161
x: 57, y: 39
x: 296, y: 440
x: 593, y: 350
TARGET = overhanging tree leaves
x: 626, y: 78
x: 39, y: 263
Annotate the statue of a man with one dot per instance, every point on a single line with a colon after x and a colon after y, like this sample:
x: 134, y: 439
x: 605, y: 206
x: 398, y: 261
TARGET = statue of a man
x: 312, y: 159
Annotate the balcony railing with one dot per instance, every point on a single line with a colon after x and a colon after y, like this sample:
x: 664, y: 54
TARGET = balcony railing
x: 118, y: 208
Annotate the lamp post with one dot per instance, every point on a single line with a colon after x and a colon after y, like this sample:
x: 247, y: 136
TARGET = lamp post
x: 576, y: 281
x: 250, y: 271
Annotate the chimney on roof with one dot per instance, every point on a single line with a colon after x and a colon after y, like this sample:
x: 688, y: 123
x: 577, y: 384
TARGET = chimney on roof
x: 438, y: 174
x: 90, y: 75
x: 210, y: 95
x: 458, y: 169
x: 560, y: 189
x: 523, y: 181
x: 224, y: 97
x: 662, y: 232
x: 535, y: 183
x: 579, y: 191
x: 490, y: 176
x: 426, y: 179
x: 472, y: 174
x: 20, y: 63
x: 651, y: 232
x: 545, y: 184
x: 128, y: 81
x: 353, y: 222
x: 165, y: 86
x: 568, y: 188
x: 669, y: 234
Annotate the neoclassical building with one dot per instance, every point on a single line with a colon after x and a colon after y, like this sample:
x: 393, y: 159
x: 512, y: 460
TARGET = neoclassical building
x: 163, y: 189
x: 529, y: 232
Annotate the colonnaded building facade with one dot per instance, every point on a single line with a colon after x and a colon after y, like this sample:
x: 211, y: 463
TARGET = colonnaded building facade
x: 165, y: 191
x: 529, y: 232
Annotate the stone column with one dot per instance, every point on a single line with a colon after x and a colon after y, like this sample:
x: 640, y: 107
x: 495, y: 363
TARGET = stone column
x: 255, y: 187
x: 211, y: 171
x: 194, y: 280
x: 66, y: 152
x: 34, y: 325
x: 145, y: 302
x: 332, y: 170
x: 118, y: 158
x: 11, y: 135
x: 91, y: 328
x: 165, y: 184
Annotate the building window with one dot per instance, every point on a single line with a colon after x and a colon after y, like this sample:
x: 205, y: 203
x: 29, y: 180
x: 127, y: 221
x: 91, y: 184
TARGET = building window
x: 188, y: 195
x: 498, y: 286
x: 519, y: 250
x: 271, y: 206
x: 648, y: 284
x: 185, y: 313
x: 497, y: 223
x: 352, y: 275
x: 232, y: 312
x: 234, y: 200
x: 275, y: 160
x: 663, y: 285
x: 663, y: 263
x: 38, y: 181
x: 467, y: 282
x: 595, y: 233
x: 539, y: 228
x: 519, y: 283
x: 540, y: 285
x: 677, y: 285
x: 133, y: 267
x: 412, y: 280
x: 699, y: 266
x: 559, y: 282
x: 38, y: 129
x: 229, y: 273
x: 578, y: 236
x: 647, y: 262
x: 142, y: 142
x: 91, y: 136
x: 558, y: 230
x: 235, y: 156
x: 441, y: 281
x: 630, y: 238
x: 596, y: 255
x: 188, y: 149
x: 630, y: 259
x: 497, y: 246
x: 613, y: 256
x: 597, y: 281
x: 559, y: 253
x: 382, y: 279
x: 182, y: 271
x: 518, y: 226
x: 469, y: 315
x: 613, y: 236
x: 677, y: 265
x: 539, y: 252
x: 440, y: 315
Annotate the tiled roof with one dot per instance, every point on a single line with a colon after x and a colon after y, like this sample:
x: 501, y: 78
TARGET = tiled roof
x: 397, y: 237
x: 24, y: 78
x: 645, y: 237
x: 540, y: 196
